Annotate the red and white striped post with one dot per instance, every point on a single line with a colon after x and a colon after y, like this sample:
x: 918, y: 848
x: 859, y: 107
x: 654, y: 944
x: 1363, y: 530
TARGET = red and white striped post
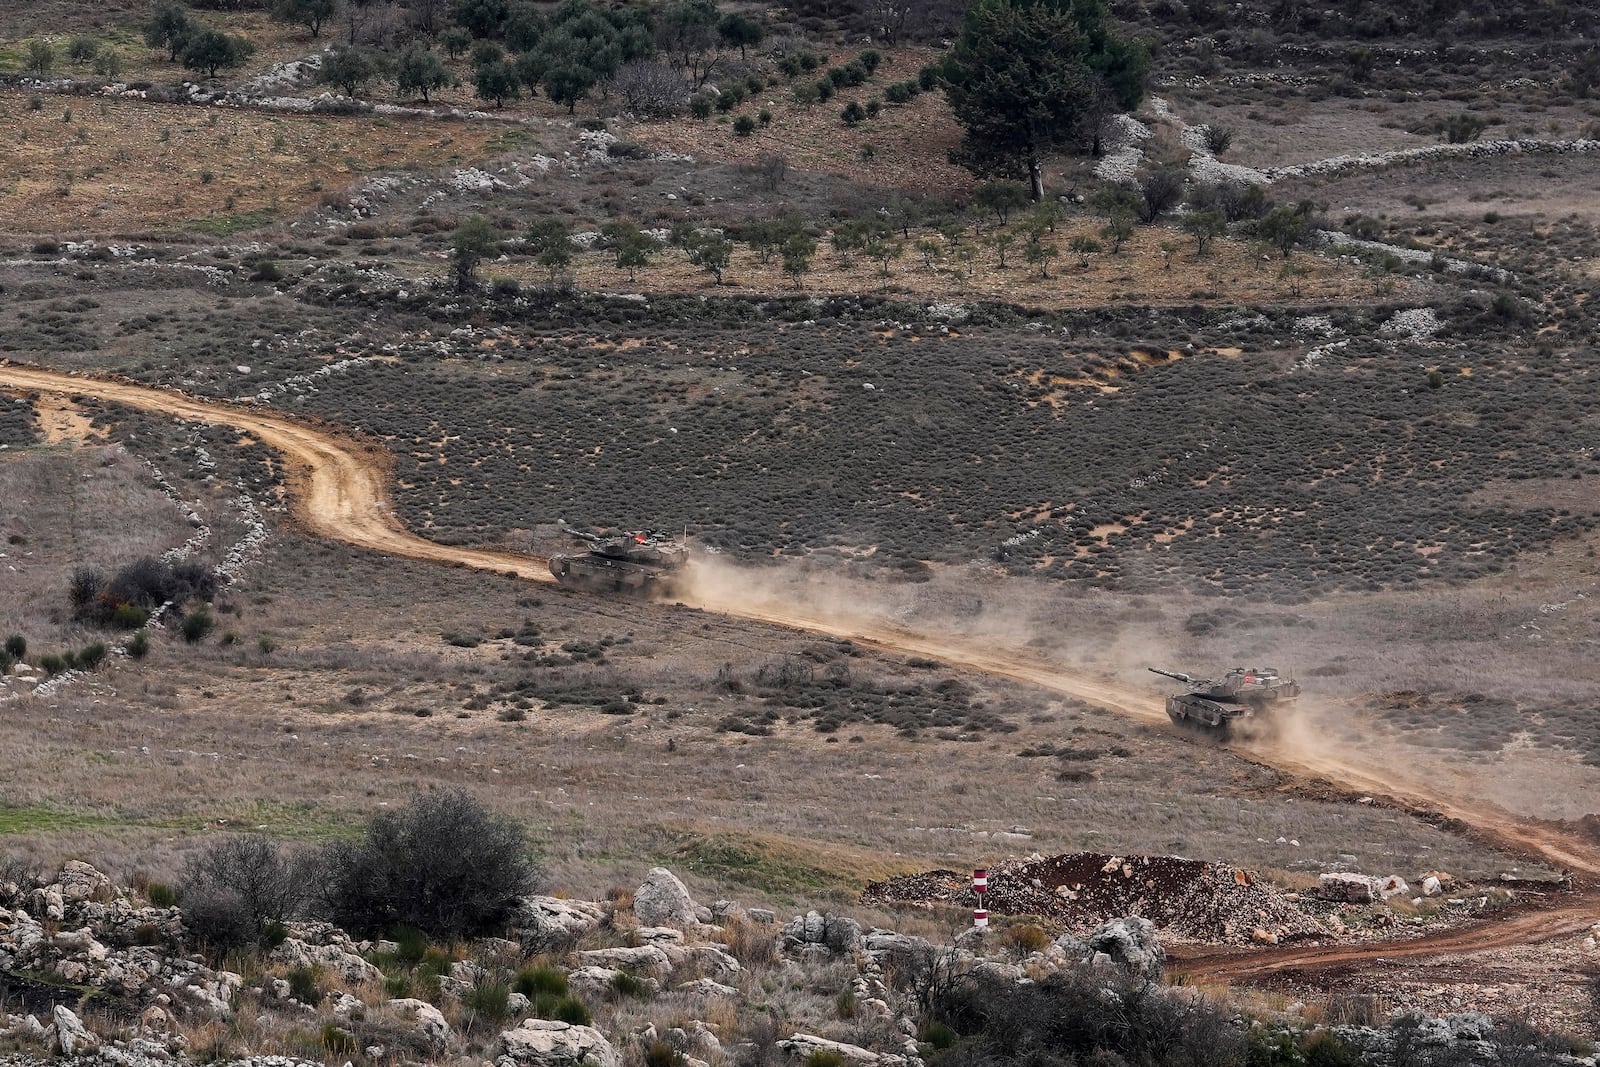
x: 980, y: 886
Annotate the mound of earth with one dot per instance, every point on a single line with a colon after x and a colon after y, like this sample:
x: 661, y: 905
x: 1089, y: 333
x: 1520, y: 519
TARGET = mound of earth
x: 1186, y: 899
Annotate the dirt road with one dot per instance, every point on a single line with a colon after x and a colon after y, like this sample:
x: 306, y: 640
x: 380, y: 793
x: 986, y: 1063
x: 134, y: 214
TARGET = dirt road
x: 339, y: 489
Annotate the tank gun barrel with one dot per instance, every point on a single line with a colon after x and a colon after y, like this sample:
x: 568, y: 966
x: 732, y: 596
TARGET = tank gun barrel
x: 1178, y: 675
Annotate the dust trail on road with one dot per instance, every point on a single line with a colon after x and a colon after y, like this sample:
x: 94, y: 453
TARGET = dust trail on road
x: 339, y: 489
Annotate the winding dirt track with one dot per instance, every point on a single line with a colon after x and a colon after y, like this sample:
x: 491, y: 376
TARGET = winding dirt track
x: 339, y: 489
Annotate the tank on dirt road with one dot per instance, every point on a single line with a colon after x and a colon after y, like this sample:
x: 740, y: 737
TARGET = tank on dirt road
x: 1218, y: 706
x: 632, y: 564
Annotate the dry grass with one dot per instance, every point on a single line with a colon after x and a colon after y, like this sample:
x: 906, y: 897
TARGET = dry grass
x: 122, y: 166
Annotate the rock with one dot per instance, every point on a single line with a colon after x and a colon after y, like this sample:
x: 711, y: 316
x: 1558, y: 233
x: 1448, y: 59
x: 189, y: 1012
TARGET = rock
x: 663, y: 900
x: 1262, y: 937
x: 714, y: 961
x: 344, y: 1004
x: 802, y: 1046
x: 539, y: 920
x: 347, y: 965
x: 1131, y: 944
x: 649, y: 959
x: 545, y: 1043
x: 659, y: 935
x: 762, y: 915
x: 517, y: 1003
x: 79, y: 882
x: 1431, y: 886
x: 706, y: 987
x: 881, y: 944
x: 1392, y: 886
x: 72, y: 1036
x: 428, y: 1020
x: 592, y: 983
x: 1347, y: 887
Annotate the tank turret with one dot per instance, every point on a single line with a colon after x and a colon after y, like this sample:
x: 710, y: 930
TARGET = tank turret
x: 640, y: 563
x: 1217, y: 705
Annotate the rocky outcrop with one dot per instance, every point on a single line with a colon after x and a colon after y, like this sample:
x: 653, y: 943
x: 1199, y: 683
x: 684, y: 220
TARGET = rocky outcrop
x: 429, y: 1021
x: 544, y: 1043
x: 538, y: 921
x: 326, y: 946
x: 663, y: 900
x: 840, y: 934
x: 1128, y: 944
x: 803, y: 1046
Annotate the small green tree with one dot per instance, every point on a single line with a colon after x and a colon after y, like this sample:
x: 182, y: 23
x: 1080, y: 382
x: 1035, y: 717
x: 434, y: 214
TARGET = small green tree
x: 708, y: 250
x: 1118, y: 228
x: 797, y: 250
x: 1039, y: 253
x: 1002, y: 243
x: 1001, y: 198
x: 169, y: 26
x: 308, y: 13
x: 351, y: 69
x: 474, y: 239
x: 631, y: 246
x: 497, y: 81
x: 550, y: 241
x: 211, y: 50
x: 740, y: 31
x: 483, y: 18
x: 1083, y: 247
x: 1286, y: 227
x: 41, y: 57
x: 1205, y: 227
x: 418, y: 71
x: 568, y: 83
x: 82, y: 50
x: 456, y: 40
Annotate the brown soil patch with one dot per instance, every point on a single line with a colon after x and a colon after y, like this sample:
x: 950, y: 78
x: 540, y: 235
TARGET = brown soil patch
x: 129, y: 165
x: 61, y: 420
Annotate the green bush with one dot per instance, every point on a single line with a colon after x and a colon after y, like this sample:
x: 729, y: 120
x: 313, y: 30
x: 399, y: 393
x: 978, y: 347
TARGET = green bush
x: 541, y: 981
x: 92, y: 655
x: 870, y: 58
x: 138, y: 645
x: 660, y: 1054
x: 744, y: 126
x: 52, y: 664
x: 129, y: 616
x: 629, y: 986
x: 305, y: 984
x: 937, y: 1034
x: 928, y: 78
x: 17, y: 646
x: 824, y: 1058
x: 901, y: 92
x: 491, y: 999
x: 197, y: 626
x: 570, y: 1010
x: 338, y: 1041
x: 700, y: 106
x: 161, y: 895
x: 824, y: 90
x: 853, y: 114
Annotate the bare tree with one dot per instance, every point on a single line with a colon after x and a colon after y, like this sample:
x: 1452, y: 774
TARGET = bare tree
x: 236, y: 888
x: 650, y: 88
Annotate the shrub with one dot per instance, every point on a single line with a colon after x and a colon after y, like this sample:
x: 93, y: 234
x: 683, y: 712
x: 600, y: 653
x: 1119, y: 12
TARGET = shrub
x: 659, y: 1053
x: 806, y: 94
x: 197, y: 626
x: 824, y: 90
x: 17, y: 646
x: 541, y: 982
x: 138, y: 645
x: 571, y: 1010
x: 491, y: 999
x: 744, y: 126
x: 129, y: 616
x: 764, y: 116
x: 869, y: 59
x: 874, y: 106
x: 52, y: 664
x: 629, y: 986
x: 339, y: 1042
x: 701, y: 105
x: 901, y: 92
x: 92, y: 655
x: 1025, y: 940
x: 445, y: 864
x: 928, y: 78
x: 305, y: 984
x: 823, y: 1057
x: 161, y: 895
x: 237, y: 888
x: 853, y: 113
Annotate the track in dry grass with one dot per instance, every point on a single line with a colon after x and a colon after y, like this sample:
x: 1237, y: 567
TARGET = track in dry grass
x: 339, y: 490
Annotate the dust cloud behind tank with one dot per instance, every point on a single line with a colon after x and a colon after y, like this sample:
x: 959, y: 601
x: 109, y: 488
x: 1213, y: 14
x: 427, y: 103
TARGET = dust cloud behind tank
x: 1244, y: 695
x: 640, y: 564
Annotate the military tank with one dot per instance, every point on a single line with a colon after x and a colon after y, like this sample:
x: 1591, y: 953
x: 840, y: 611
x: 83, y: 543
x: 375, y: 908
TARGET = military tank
x: 1218, y: 706
x: 634, y: 564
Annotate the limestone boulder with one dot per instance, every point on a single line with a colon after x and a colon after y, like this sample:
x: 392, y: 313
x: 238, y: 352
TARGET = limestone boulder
x: 663, y: 900
x: 546, y: 1043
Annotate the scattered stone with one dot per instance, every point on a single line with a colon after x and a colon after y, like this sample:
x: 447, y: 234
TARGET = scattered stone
x: 429, y: 1020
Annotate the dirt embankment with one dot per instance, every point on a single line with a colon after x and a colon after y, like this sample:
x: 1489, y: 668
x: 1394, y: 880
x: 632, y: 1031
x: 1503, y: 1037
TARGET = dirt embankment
x: 339, y: 490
